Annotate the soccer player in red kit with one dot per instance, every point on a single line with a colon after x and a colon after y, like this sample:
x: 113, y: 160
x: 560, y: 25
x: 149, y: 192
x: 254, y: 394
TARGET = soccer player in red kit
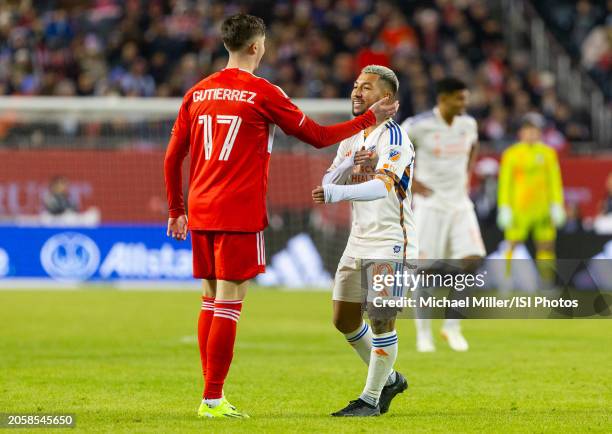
x: 226, y: 122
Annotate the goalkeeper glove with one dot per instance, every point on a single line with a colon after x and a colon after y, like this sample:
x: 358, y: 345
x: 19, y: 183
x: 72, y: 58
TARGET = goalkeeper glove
x: 557, y: 215
x: 504, y: 217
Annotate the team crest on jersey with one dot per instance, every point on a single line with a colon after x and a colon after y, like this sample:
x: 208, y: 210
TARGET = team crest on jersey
x: 397, y: 249
x: 394, y: 155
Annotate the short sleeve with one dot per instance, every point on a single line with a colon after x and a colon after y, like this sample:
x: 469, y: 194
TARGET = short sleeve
x: 395, y: 152
x: 395, y: 158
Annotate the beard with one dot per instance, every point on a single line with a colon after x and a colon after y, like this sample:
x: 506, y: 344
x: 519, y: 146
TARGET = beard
x: 359, y: 111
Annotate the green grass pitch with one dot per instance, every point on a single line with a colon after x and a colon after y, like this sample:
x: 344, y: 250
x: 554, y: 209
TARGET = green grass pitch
x: 128, y: 361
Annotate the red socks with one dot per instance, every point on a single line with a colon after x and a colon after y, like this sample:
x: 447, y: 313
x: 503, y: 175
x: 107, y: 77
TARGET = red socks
x: 220, y: 346
x: 204, y: 322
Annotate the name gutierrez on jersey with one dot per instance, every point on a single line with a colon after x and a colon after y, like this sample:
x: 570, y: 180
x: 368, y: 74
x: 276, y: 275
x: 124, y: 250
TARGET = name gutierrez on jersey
x: 220, y: 93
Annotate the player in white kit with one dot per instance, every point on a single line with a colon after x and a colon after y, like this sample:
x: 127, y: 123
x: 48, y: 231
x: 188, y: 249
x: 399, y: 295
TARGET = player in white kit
x: 446, y: 142
x: 372, y: 170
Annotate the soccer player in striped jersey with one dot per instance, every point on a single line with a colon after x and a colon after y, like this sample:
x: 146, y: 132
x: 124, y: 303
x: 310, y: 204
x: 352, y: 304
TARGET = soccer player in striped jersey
x: 372, y: 169
x: 446, y: 142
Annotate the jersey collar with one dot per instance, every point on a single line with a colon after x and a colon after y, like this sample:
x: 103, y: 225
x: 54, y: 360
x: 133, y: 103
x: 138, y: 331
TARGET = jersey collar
x: 239, y: 69
x: 370, y: 141
x: 436, y: 112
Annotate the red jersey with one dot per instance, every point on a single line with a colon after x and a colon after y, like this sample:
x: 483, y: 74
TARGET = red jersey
x: 227, y: 122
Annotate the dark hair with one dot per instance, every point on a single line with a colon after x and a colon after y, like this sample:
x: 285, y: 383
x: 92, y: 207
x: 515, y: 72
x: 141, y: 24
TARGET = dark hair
x: 237, y: 30
x: 56, y: 179
x: 449, y: 85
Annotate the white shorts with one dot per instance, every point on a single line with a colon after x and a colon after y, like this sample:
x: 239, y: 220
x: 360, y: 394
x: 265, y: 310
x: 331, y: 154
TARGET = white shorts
x: 347, y: 282
x: 447, y: 234
x: 352, y: 280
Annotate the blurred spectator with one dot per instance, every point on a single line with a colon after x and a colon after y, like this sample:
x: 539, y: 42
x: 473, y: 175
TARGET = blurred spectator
x: 597, y: 54
x: 606, y: 204
x: 585, y: 28
x: 484, y: 195
x: 573, y: 222
x: 314, y: 49
x: 603, y: 222
x: 585, y: 18
x: 57, y: 200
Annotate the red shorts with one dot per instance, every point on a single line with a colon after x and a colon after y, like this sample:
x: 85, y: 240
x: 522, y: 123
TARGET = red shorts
x: 228, y: 255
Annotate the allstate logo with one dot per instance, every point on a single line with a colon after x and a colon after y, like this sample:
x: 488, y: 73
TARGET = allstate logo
x: 4, y: 263
x: 70, y: 256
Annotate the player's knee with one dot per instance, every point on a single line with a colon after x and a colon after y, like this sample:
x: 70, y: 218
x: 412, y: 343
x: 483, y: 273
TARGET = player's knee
x: 380, y: 326
x: 209, y: 288
x: 346, y: 325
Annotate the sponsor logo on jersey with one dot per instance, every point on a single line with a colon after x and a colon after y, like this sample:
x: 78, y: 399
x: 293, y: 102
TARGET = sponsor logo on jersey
x: 394, y: 155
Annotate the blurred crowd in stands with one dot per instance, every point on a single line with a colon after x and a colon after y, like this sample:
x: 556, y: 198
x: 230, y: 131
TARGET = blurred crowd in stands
x: 314, y: 49
x: 585, y: 29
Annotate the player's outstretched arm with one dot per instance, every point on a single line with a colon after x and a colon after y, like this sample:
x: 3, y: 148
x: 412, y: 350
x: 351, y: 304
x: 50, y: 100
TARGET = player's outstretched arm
x: 282, y: 112
x: 321, y: 136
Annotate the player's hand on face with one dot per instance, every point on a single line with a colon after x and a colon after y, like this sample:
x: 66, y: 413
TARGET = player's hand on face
x: 365, y: 157
x: 384, y: 109
x: 420, y: 188
x: 177, y: 228
x: 318, y: 195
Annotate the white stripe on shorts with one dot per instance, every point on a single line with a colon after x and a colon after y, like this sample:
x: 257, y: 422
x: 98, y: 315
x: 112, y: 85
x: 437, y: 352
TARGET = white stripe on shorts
x: 261, y: 249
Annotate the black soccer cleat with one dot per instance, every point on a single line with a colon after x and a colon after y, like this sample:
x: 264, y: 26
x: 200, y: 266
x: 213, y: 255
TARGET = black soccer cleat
x: 358, y: 408
x: 389, y: 392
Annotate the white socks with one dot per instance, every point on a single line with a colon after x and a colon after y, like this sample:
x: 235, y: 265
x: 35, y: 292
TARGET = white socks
x: 212, y: 403
x: 361, y: 341
x: 452, y: 323
x: 423, y: 326
x: 380, y: 369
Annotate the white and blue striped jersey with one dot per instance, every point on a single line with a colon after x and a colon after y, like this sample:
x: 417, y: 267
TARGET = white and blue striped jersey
x: 442, y: 155
x: 382, y: 228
